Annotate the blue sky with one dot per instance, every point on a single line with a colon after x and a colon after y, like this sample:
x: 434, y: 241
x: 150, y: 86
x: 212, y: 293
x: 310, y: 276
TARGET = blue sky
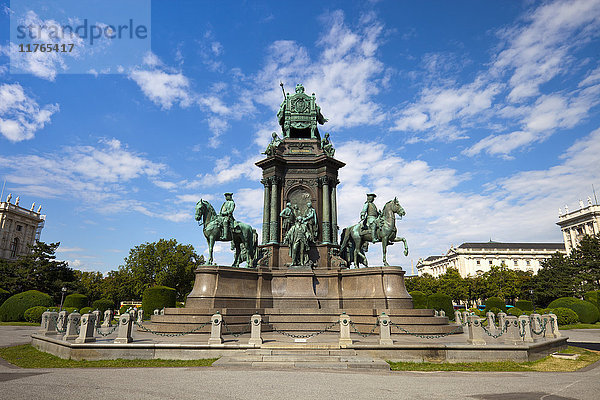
x: 482, y: 117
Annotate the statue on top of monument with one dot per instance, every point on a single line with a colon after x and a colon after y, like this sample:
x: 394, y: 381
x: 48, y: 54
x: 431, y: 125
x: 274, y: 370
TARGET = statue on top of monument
x: 327, y: 146
x: 227, y: 215
x: 273, y: 145
x: 299, y: 114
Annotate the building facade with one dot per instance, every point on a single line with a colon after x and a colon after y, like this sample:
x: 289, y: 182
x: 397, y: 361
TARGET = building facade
x: 575, y: 224
x: 471, y: 259
x: 20, y: 228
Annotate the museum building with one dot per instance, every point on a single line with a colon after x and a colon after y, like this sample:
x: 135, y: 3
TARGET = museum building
x: 575, y: 224
x: 472, y: 259
x: 20, y: 228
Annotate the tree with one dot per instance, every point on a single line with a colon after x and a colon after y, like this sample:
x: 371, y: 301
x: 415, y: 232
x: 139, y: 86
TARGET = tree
x: 452, y: 284
x: 425, y: 283
x: 89, y: 284
x: 586, y: 260
x: 502, y: 282
x: 557, y: 278
x: 162, y: 263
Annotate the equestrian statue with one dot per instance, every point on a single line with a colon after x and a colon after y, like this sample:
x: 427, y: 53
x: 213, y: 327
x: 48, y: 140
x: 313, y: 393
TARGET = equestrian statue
x: 223, y: 227
x: 375, y: 226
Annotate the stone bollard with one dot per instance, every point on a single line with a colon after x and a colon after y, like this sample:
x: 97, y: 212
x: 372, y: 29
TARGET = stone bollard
x: 162, y: 311
x: 133, y: 313
x: 345, y: 339
x: 552, y: 327
x: 87, y: 328
x: 436, y: 313
x: 501, y: 323
x: 97, y: 316
x: 475, y: 330
x: 49, y: 320
x: 465, y: 317
x: 215, y: 330
x: 61, y: 324
x: 256, y: 323
x: 72, y: 326
x: 124, y: 329
x: 491, y: 322
x: 140, y: 316
x: 157, y: 312
x: 525, y: 329
x: 458, y: 317
x: 511, y: 336
x: 442, y: 313
x: 385, y: 337
x: 537, y: 327
x: 108, y: 316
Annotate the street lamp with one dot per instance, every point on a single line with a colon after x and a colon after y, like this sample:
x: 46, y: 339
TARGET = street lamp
x: 532, y: 300
x: 62, y: 297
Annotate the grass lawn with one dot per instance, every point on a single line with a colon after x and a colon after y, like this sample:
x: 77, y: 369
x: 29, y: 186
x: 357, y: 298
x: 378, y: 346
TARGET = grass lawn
x: 18, y: 323
x: 26, y: 356
x: 546, y: 364
x: 580, y: 325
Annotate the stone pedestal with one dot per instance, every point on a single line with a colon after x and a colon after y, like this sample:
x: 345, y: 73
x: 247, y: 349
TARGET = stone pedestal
x: 124, y: 329
x: 256, y: 324
x: 72, y: 326
x: 87, y: 328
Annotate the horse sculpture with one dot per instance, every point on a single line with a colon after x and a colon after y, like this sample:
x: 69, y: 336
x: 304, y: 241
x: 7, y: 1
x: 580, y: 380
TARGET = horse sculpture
x: 242, y: 235
x: 354, y: 238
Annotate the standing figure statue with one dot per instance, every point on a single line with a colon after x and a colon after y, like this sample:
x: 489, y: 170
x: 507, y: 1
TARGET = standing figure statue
x: 369, y: 216
x: 288, y: 217
x: 227, y: 214
x: 310, y: 219
x: 298, y: 238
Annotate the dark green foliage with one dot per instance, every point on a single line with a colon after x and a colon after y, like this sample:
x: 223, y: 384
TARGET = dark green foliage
x: 425, y: 283
x: 86, y: 310
x: 524, y: 305
x: 4, y: 294
x: 592, y: 297
x: 124, y: 309
x: 586, y: 311
x: 495, y: 310
x: 516, y: 311
x: 89, y: 283
x: 452, y: 284
x: 557, y: 278
x: 158, y: 297
x: 419, y: 299
x: 586, y: 261
x: 103, y: 305
x: 565, y: 316
x: 495, y: 302
x: 34, y: 314
x: 76, y: 300
x: 15, y: 306
x: 441, y: 301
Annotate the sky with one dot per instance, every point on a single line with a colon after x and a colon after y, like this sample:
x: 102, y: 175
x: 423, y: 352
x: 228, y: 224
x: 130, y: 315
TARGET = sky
x: 481, y: 117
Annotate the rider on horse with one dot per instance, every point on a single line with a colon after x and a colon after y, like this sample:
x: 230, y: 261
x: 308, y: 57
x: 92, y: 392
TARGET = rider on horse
x: 226, y: 214
x: 369, y: 216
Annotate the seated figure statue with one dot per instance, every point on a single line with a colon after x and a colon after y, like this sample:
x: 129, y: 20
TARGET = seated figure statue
x: 299, y: 115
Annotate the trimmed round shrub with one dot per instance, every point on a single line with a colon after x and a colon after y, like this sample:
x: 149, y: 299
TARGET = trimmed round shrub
x: 34, y: 314
x: 524, y: 305
x: 419, y: 299
x: 516, y: 311
x: 103, y: 305
x: 495, y: 302
x: 15, y: 306
x: 592, y: 297
x: 495, y: 310
x: 441, y: 301
x: 76, y: 300
x: 158, y: 297
x: 86, y: 310
x: 565, y: 316
x: 586, y: 311
x: 4, y: 294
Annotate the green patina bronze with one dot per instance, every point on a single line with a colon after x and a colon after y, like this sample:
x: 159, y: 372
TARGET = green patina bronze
x: 299, y: 115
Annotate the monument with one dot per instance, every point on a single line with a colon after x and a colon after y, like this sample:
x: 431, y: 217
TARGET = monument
x: 303, y: 275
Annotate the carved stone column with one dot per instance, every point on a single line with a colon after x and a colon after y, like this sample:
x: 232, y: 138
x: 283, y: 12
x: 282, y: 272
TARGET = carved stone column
x: 326, y: 211
x: 274, y: 225
x: 334, y: 227
x: 266, y: 211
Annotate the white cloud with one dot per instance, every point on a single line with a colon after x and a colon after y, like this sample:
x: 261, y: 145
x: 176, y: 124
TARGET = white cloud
x: 20, y: 115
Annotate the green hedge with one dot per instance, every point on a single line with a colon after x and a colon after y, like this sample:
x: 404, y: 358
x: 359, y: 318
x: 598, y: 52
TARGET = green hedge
x: 592, y: 297
x: 524, y: 305
x: 158, y: 297
x: 565, y: 316
x: 4, y: 294
x: 103, y: 305
x: 495, y: 302
x: 441, y: 301
x: 34, y: 314
x: 76, y: 300
x: 419, y: 299
x: 516, y: 311
x: 86, y: 310
x: 587, y: 312
x: 15, y: 306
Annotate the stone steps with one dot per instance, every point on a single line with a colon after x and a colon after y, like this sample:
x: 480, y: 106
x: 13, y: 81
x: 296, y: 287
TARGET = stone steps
x: 303, y: 358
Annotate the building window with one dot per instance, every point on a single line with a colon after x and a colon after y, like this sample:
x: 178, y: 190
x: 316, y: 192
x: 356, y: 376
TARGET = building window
x: 490, y: 262
x: 19, y: 228
x: 478, y: 262
x: 516, y: 263
x: 14, y: 247
x: 528, y: 263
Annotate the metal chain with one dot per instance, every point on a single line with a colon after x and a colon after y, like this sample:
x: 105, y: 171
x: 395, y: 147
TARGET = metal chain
x: 502, y: 331
x: 543, y: 327
x: 238, y: 334
x: 144, y: 329
x: 306, y: 336
x: 114, y: 328
x: 441, y: 335
x: 365, y: 335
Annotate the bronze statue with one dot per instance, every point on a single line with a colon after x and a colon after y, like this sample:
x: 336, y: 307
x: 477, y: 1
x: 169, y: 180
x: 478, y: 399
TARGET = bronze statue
x: 288, y: 217
x: 327, y: 146
x: 299, y: 114
x: 298, y: 238
x: 354, y: 238
x: 273, y: 145
x: 227, y: 214
x: 240, y: 233
x: 310, y: 219
x: 369, y: 216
